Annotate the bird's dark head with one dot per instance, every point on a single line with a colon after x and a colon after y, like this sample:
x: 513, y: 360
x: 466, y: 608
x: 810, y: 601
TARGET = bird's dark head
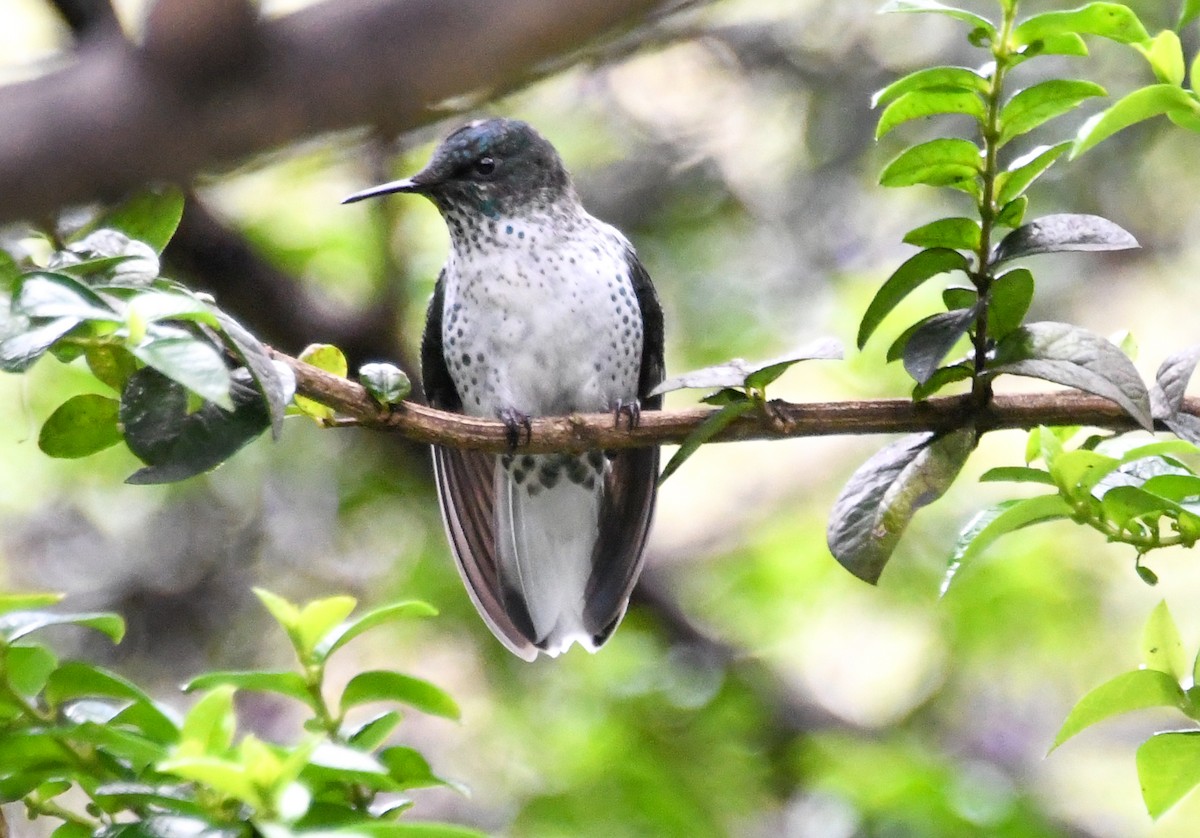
x: 491, y: 167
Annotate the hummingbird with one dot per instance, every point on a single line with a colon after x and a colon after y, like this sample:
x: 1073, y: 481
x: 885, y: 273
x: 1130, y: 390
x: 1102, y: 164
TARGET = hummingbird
x: 540, y: 310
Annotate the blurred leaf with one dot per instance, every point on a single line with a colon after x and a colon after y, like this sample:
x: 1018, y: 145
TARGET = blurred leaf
x: 27, y: 668
x: 712, y: 425
x: 409, y: 768
x: 287, y: 614
x: 191, y: 362
x: 1165, y: 54
x: 76, y: 679
x: 1064, y: 43
x: 926, y: 102
x: 881, y: 497
x: 320, y: 618
x: 19, y: 352
x: 929, y: 344
x: 373, y: 732
x: 405, y: 829
x: 50, y: 295
x: 25, y: 602
x: 289, y: 684
x: 112, y: 364
x: 1141, y: 104
x: 1011, y: 184
x: 1108, y: 20
x: 906, y: 279
x: 227, y: 778
x: 1008, y: 302
x: 1168, y: 768
x: 80, y: 426
x: 1063, y: 232
x: 1134, y: 690
x: 931, y: 78
x: 17, y: 624
x: 1042, y: 102
x: 948, y: 161
x: 942, y: 377
x: 741, y: 373
x: 1122, y: 505
x: 209, y: 726
x: 1012, y: 213
x: 275, y: 381
x: 1001, y: 519
x: 340, y: 636
x: 124, y: 745
x: 386, y: 383
x: 954, y: 233
x: 1189, y: 12
x: 1074, y: 357
x: 939, y: 8
x: 384, y: 685
x: 151, y: 217
x: 1016, y: 474
x: 1162, y: 647
x: 330, y: 359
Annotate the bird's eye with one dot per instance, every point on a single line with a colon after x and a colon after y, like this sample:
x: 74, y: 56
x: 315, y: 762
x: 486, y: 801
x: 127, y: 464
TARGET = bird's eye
x: 485, y: 166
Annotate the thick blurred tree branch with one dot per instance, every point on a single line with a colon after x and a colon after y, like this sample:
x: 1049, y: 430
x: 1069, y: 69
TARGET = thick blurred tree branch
x: 212, y: 85
x: 781, y: 420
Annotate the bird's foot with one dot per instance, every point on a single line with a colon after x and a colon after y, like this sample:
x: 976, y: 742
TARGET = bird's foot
x: 516, y: 424
x: 632, y: 411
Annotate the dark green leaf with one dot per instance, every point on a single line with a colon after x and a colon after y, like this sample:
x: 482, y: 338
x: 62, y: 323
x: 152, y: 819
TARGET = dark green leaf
x: 942, y: 377
x: 19, y: 351
x: 881, y: 497
x: 959, y: 297
x: 1016, y: 474
x: 1012, y: 183
x: 919, y: 104
x: 80, y: 426
x: 929, y: 345
x: 1008, y: 302
x: 948, y: 161
x: 1141, y: 104
x: 935, y: 78
x: 954, y: 233
x: 1044, y: 101
x: 275, y: 381
x: 1108, y: 20
x: 1168, y: 768
x: 190, y: 361
x: 339, y: 637
x: 906, y: 279
x: 712, y: 425
x: 1012, y: 213
x: 1074, y: 357
x: 998, y: 520
x: 373, y: 732
x: 1063, y: 232
x: 290, y: 684
x: 386, y: 383
x: 75, y: 679
x: 151, y: 217
x: 129, y: 747
x: 975, y: 20
x: 383, y: 685
x: 111, y: 364
x: 1135, y: 690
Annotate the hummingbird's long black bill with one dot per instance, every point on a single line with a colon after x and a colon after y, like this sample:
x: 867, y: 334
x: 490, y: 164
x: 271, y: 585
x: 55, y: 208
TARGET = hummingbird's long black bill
x: 406, y: 185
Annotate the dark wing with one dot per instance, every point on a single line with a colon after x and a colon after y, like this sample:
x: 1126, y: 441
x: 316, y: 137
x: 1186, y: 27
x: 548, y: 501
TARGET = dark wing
x: 630, y: 487
x: 466, y: 490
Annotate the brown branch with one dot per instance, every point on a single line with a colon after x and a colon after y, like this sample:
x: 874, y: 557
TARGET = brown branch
x: 120, y: 116
x: 783, y: 420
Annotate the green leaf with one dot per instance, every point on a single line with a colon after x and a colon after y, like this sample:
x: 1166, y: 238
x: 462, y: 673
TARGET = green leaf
x: 112, y: 364
x: 409, y: 768
x: 1008, y: 302
x: 1012, y: 213
x: 285, y: 683
x: 893, y: 6
x: 1135, y: 690
x: 1189, y: 12
x: 948, y: 161
x: 953, y: 233
x: 129, y: 747
x: 1140, y: 105
x: 712, y: 425
x: 932, y: 78
x: 28, y: 668
x: 330, y: 359
x: 1061, y: 233
x: 25, y: 602
x: 881, y: 497
x: 373, y: 732
x: 19, y: 351
x: 1036, y: 105
x: 1016, y: 474
x: 42, y: 294
x: 75, y: 679
x: 151, y: 217
x: 1074, y: 357
x: 1108, y: 20
x: 1162, y: 647
x: 1012, y: 183
x: 929, y: 344
x: 384, y: 685
x: 1001, y: 519
x: 209, y: 726
x: 941, y: 378
x: 386, y: 383
x: 403, y: 829
x: 1168, y: 768
x: 906, y: 279
x: 275, y: 381
x: 1165, y: 54
x: 285, y: 613
x: 919, y: 104
x: 228, y: 779
x: 18, y: 624
x: 191, y: 362
x: 318, y: 619
x: 80, y: 426
x: 740, y: 373
x: 339, y: 636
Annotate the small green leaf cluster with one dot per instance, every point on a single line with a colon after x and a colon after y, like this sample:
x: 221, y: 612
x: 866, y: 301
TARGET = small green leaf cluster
x: 191, y: 386
x: 987, y: 309
x: 1168, y: 763
x: 139, y: 769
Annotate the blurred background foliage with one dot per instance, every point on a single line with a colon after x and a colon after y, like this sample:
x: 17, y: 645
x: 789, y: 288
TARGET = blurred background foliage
x: 755, y: 689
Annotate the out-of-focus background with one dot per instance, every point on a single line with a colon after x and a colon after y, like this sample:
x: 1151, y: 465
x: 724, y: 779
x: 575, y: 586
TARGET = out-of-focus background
x: 755, y: 688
